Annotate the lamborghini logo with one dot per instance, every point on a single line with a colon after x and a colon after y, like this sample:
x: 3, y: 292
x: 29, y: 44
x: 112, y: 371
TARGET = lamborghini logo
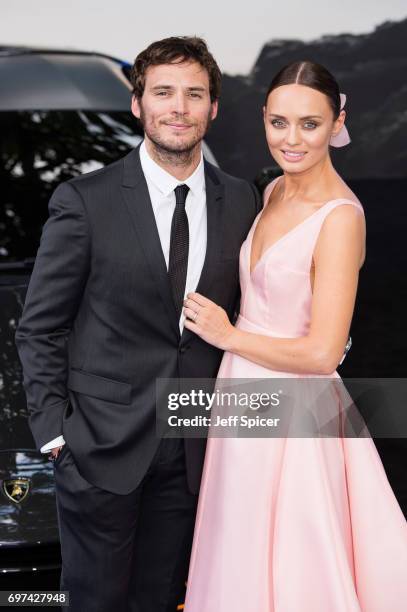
x: 16, y: 489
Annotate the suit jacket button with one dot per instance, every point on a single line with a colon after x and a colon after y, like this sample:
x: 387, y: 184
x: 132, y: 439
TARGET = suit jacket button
x: 182, y: 349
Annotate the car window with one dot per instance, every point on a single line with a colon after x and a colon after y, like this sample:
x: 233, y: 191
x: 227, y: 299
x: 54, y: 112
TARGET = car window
x: 39, y: 150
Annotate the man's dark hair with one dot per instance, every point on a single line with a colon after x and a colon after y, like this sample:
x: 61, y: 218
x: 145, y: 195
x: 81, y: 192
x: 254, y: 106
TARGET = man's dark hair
x: 176, y: 49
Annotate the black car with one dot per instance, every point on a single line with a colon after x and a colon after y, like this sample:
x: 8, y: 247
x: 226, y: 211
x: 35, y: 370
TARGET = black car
x: 62, y: 113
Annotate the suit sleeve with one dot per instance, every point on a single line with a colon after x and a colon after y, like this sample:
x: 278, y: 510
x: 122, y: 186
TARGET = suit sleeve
x: 257, y: 204
x: 53, y: 297
x: 257, y: 199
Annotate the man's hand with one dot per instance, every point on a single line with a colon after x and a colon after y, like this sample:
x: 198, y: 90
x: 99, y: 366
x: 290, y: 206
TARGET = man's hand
x: 55, y: 451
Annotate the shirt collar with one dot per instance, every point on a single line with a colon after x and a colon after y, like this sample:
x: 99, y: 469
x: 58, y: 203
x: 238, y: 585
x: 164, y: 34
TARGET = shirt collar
x: 164, y: 181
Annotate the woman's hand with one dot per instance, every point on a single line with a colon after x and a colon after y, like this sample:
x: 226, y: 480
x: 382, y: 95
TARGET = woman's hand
x: 208, y: 320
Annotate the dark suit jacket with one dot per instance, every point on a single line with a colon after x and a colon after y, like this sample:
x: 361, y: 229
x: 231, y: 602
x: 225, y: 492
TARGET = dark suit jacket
x: 99, y: 325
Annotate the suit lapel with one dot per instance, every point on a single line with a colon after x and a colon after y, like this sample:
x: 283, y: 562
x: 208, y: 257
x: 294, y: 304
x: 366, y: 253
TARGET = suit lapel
x: 135, y: 192
x: 137, y: 198
x: 214, y: 208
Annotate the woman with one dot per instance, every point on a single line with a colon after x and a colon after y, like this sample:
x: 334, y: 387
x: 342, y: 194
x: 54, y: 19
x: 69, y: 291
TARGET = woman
x: 295, y: 524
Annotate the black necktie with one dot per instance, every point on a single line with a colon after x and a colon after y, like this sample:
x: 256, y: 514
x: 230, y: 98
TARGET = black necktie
x: 179, y: 247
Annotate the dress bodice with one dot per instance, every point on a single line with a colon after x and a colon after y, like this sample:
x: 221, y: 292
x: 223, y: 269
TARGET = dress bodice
x: 277, y: 294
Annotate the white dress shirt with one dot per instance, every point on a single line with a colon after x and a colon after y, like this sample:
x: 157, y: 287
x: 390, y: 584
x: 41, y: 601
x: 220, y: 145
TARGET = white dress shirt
x: 161, y: 187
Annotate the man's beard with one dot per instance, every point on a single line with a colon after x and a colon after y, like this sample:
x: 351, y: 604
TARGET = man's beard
x: 178, y: 155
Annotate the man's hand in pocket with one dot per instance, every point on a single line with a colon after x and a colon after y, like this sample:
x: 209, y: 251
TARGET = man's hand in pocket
x: 55, y: 452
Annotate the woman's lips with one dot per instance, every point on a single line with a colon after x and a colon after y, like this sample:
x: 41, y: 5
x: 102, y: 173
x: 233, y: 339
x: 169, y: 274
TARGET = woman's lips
x: 293, y: 156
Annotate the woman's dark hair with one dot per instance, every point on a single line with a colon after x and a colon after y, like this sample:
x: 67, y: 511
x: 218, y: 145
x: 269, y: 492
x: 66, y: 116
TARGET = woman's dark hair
x: 176, y: 49
x: 312, y: 75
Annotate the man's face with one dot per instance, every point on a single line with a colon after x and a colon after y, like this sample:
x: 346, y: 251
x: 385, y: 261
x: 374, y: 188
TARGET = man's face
x: 175, y: 108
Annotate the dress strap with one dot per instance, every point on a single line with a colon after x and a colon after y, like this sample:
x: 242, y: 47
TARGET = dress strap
x: 267, y: 192
x: 319, y: 218
x: 329, y: 206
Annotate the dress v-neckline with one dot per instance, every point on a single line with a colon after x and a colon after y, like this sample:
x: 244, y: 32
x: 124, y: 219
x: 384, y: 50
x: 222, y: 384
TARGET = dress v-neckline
x: 252, y: 270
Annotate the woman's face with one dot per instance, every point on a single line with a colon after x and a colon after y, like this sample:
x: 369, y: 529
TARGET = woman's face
x: 299, y: 123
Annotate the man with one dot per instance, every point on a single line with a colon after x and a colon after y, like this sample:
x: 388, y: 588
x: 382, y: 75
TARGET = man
x: 103, y: 320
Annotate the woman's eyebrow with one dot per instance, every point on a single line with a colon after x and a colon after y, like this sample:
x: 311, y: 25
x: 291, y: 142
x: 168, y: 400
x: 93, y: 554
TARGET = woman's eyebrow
x: 306, y: 117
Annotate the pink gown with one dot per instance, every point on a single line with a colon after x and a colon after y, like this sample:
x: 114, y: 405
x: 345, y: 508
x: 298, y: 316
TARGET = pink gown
x: 293, y: 524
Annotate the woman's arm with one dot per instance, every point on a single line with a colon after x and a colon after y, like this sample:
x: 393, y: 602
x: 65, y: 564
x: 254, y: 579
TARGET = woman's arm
x: 338, y: 256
